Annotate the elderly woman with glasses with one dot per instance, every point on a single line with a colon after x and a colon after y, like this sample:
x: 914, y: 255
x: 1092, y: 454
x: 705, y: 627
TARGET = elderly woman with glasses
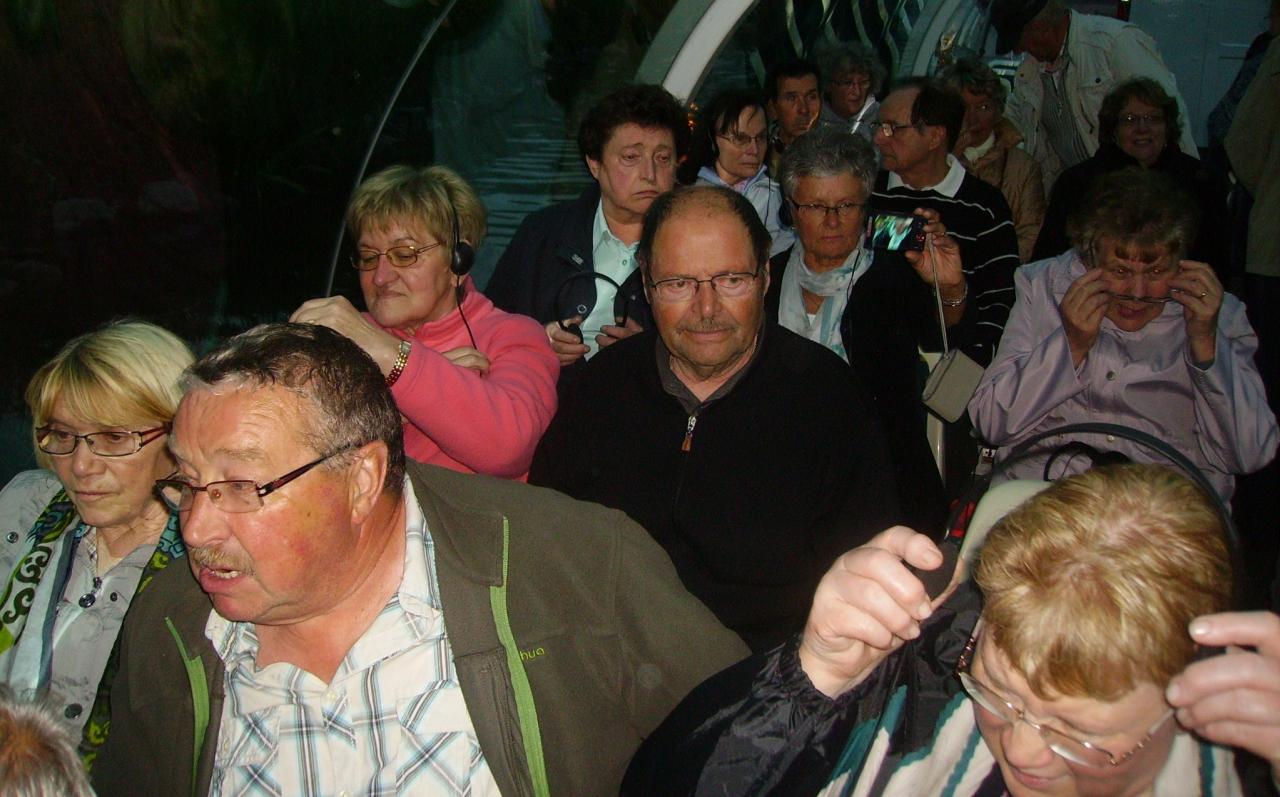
x: 1069, y: 666
x: 476, y: 386
x: 1122, y: 329
x: 852, y: 77
x: 988, y: 147
x: 729, y: 146
x: 873, y: 308
x: 78, y: 539
x: 1139, y: 125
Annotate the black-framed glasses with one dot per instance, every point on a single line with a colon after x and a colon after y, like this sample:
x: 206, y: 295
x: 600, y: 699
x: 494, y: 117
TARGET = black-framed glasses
x: 59, y: 442
x: 887, y: 129
x: 742, y: 140
x: 731, y: 285
x: 398, y: 256
x: 236, y: 495
x: 818, y: 211
x: 1077, y: 751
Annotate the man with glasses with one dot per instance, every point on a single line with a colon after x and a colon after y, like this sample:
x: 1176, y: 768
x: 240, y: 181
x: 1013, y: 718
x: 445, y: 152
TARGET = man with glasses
x: 358, y: 624
x: 749, y: 453
x: 1069, y: 666
x: 920, y: 120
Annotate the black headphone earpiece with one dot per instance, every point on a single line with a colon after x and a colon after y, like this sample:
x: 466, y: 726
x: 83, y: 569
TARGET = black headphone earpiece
x: 463, y: 256
x: 784, y: 214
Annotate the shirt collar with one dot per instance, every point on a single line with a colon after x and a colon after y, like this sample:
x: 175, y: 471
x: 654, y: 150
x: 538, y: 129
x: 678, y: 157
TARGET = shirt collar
x: 680, y: 391
x: 949, y: 186
x: 601, y: 234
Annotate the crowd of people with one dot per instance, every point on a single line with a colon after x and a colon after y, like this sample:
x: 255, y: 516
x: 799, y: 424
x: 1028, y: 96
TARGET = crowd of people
x: 307, y: 562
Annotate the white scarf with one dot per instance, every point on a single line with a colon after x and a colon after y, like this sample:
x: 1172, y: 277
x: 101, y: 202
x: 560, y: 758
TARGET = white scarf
x: 834, y: 285
x: 973, y: 154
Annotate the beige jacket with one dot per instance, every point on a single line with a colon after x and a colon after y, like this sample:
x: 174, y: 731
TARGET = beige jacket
x: 1253, y: 145
x: 1019, y: 178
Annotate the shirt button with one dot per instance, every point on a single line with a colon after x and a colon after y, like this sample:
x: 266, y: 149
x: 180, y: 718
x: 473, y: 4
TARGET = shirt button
x: 11, y: 537
x: 115, y: 596
x: 1111, y: 376
x: 1111, y: 438
x: 72, y: 711
x: 331, y: 696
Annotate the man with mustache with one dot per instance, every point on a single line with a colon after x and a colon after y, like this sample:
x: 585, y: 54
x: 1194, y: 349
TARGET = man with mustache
x: 751, y: 454
x: 366, y: 625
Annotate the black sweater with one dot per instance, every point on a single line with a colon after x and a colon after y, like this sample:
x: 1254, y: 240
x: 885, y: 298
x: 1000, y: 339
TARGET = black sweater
x: 783, y: 474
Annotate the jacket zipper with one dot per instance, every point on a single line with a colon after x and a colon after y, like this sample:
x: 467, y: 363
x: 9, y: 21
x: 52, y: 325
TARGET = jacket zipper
x: 688, y: 433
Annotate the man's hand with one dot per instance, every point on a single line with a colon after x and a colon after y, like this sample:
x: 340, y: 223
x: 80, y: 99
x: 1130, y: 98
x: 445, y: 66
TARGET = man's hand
x: 612, y: 333
x: 941, y: 252
x: 1197, y: 289
x: 1234, y: 699
x: 866, y: 606
x: 1082, y: 309
x: 338, y: 314
x: 568, y: 347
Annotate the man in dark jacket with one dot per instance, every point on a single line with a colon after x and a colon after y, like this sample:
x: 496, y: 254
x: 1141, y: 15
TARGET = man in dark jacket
x: 572, y: 265
x: 350, y: 631
x: 752, y: 455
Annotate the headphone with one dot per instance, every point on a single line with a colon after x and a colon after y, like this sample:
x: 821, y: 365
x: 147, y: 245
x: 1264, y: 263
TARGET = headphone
x: 462, y: 255
x: 958, y: 519
x: 785, y: 217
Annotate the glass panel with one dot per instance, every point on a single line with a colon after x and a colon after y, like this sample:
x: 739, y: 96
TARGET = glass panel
x: 188, y: 161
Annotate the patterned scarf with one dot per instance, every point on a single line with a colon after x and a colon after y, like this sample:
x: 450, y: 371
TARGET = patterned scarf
x: 20, y: 589
x: 824, y: 328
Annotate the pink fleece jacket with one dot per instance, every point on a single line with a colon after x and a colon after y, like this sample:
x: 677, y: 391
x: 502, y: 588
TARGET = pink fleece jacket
x: 458, y: 419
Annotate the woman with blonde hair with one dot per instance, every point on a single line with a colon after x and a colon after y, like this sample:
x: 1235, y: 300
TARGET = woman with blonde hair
x: 476, y: 386
x: 81, y: 536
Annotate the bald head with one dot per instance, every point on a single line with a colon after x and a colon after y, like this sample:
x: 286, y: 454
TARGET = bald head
x: 704, y: 200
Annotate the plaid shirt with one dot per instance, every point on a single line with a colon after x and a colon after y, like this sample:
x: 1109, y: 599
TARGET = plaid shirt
x: 392, y: 721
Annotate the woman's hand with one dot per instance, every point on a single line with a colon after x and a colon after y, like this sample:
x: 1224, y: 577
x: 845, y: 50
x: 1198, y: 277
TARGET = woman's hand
x: 568, y: 347
x: 1233, y: 699
x: 338, y: 314
x: 612, y: 333
x: 467, y: 357
x: 866, y: 606
x: 1082, y: 310
x: 1197, y: 289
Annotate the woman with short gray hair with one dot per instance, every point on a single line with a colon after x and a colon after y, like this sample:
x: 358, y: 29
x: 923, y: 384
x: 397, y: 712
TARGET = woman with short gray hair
x: 870, y: 308
x: 852, y: 76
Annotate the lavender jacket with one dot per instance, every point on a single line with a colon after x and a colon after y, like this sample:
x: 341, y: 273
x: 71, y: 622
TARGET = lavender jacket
x: 1217, y: 416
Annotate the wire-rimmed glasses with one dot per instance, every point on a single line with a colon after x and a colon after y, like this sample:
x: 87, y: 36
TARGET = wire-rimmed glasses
x: 60, y: 442
x: 1077, y: 751
x: 398, y: 256
x: 235, y: 495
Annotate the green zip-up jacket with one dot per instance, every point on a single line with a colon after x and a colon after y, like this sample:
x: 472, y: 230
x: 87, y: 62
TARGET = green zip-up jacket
x: 571, y: 633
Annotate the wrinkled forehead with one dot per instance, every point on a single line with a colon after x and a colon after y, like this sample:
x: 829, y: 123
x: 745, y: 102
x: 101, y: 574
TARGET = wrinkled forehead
x: 1134, y: 258
x: 240, y: 420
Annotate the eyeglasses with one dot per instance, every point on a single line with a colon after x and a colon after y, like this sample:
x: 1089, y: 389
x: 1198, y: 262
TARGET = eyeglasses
x: 818, y: 211
x: 887, y: 129
x: 104, y: 444
x: 236, y: 496
x: 1133, y: 120
x: 742, y: 140
x: 862, y: 83
x: 680, y: 289
x: 398, y: 256
x: 1072, y: 749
